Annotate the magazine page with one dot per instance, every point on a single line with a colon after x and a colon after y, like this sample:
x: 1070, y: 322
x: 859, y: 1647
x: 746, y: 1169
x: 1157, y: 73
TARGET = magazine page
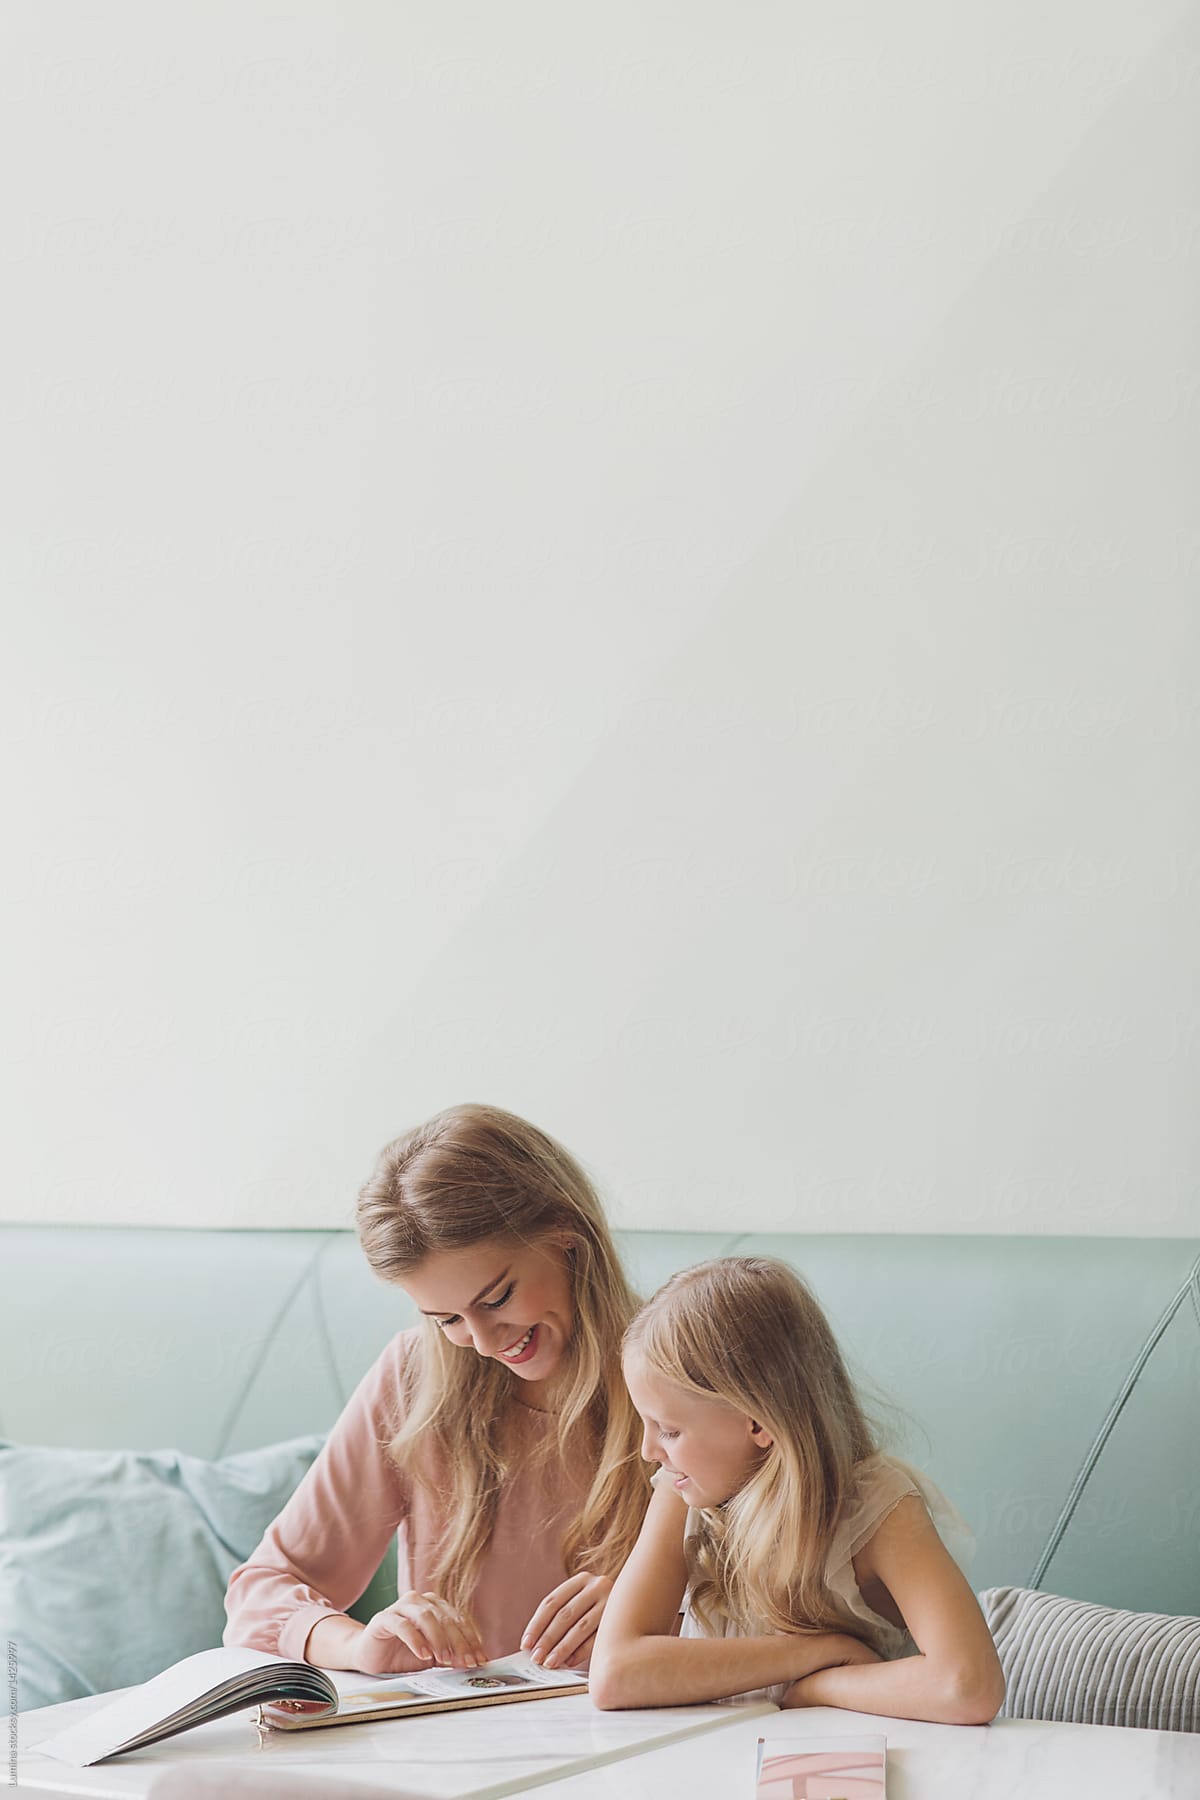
x: 200, y: 1687
x: 359, y: 1694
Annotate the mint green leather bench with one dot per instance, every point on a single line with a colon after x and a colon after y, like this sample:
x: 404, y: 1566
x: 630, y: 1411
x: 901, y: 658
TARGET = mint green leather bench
x: 1051, y: 1386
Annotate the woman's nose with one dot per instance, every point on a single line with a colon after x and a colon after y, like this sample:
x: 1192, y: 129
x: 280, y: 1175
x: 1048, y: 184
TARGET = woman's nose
x: 488, y: 1335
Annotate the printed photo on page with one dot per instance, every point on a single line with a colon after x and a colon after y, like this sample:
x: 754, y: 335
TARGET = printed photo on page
x: 507, y: 1675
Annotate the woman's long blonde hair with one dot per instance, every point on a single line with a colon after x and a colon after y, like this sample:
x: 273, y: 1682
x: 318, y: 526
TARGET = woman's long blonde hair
x: 746, y: 1330
x: 471, y: 1175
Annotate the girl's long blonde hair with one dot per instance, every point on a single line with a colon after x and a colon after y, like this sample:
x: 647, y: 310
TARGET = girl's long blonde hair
x: 746, y: 1330
x: 471, y: 1175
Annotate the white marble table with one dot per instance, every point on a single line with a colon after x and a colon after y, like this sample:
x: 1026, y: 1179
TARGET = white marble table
x: 478, y: 1755
x: 1014, y: 1759
x: 694, y: 1753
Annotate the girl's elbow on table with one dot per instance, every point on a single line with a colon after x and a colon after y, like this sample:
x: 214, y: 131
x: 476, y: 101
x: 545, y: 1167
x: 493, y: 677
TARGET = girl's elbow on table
x: 617, y: 1677
x: 974, y: 1695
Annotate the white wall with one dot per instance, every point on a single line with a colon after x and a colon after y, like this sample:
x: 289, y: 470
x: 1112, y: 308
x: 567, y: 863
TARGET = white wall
x: 627, y: 561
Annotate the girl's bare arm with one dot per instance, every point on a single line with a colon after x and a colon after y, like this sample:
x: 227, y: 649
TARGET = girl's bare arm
x: 955, y: 1678
x: 638, y: 1661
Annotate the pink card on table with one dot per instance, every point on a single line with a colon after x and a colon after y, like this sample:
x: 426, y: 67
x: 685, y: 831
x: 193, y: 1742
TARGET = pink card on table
x: 821, y: 1768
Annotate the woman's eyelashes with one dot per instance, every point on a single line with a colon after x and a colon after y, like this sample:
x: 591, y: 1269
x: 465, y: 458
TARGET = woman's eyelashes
x: 490, y: 1305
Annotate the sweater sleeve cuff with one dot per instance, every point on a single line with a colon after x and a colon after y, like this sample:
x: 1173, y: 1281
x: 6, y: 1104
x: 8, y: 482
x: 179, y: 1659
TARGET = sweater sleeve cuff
x: 293, y: 1633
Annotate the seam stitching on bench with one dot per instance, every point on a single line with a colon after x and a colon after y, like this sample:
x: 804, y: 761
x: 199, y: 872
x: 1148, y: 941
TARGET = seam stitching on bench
x: 322, y: 1321
x: 276, y: 1327
x: 1105, y: 1432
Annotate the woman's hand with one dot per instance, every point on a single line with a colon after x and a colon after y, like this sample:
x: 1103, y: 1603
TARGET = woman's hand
x: 562, y: 1631
x: 428, y: 1626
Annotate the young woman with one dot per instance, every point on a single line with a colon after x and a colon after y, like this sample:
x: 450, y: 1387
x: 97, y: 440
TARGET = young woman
x: 806, y: 1563
x: 496, y: 1439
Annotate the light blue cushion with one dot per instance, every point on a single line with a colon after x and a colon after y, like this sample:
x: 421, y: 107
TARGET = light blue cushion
x: 113, y: 1564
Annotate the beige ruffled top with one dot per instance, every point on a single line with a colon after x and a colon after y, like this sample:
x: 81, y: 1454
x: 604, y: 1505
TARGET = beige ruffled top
x: 883, y: 1481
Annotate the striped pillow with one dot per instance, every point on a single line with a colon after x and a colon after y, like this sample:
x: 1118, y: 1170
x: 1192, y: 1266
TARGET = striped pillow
x: 1093, y: 1665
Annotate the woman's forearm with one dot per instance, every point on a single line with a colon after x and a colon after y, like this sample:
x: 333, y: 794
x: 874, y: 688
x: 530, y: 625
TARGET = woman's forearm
x: 911, y: 1688
x: 330, y: 1643
x: 672, y: 1671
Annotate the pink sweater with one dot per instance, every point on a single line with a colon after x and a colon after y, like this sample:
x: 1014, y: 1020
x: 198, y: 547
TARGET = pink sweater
x: 318, y: 1556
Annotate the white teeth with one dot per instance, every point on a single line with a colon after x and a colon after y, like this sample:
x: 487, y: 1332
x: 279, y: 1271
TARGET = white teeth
x: 516, y: 1349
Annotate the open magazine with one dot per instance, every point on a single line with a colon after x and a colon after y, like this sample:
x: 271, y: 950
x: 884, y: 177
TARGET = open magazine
x: 293, y: 1696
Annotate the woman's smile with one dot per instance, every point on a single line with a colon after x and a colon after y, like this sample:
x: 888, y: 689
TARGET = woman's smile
x: 524, y: 1349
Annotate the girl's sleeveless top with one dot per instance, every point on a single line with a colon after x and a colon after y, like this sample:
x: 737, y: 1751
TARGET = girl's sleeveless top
x: 883, y: 1481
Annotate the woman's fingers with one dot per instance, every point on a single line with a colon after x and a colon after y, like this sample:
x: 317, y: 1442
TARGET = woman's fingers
x: 551, y: 1641
x: 434, y: 1630
x: 566, y: 1590
x: 574, y: 1618
x: 377, y: 1645
x: 574, y: 1649
x: 410, y: 1633
x: 454, y: 1637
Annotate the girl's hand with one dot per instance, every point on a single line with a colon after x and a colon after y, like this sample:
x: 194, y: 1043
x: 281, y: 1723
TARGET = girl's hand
x: 845, y: 1651
x: 428, y: 1626
x: 853, y: 1650
x: 562, y: 1631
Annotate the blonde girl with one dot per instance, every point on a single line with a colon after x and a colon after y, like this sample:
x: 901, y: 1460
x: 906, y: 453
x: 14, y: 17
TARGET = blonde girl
x: 806, y: 1563
x: 496, y: 1440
